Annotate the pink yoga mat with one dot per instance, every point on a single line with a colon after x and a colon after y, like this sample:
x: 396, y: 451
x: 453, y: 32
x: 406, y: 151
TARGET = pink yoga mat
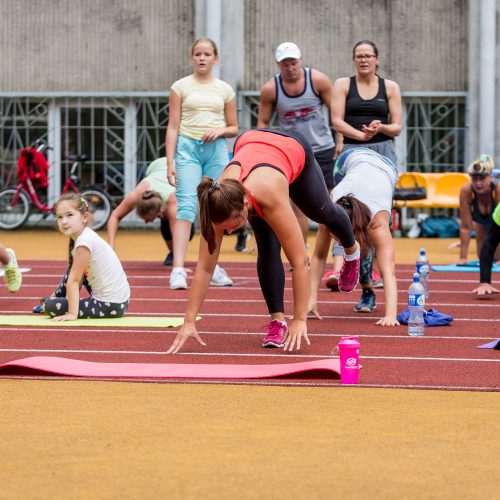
x: 78, y: 368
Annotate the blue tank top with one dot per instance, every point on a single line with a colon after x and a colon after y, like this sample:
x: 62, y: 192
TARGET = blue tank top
x: 359, y: 111
x: 304, y: 113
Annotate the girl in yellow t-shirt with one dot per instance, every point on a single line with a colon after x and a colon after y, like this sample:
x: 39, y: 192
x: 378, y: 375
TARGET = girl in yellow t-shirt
x: 202, y: 115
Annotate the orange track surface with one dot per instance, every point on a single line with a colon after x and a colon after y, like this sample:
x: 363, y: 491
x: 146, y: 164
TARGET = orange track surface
x: 232, y: 317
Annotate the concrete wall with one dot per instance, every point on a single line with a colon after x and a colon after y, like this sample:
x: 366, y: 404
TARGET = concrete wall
x: 143, y: 45
x: 422, y: 44
x: 94, y: 45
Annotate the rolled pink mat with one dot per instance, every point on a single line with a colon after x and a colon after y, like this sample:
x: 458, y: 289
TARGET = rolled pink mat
x: 79, y: 368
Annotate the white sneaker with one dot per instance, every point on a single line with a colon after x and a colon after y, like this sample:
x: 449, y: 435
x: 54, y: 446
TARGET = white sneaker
x: 11, y: 273
x: 178, y: 279
x: 220, y: 278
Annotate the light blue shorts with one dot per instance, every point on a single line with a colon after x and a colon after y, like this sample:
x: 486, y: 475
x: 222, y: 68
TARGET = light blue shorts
x: 193, y: 159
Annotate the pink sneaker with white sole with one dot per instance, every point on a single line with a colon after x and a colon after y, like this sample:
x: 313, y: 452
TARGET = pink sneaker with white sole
x: 276, y: 334
x: 349, y: 275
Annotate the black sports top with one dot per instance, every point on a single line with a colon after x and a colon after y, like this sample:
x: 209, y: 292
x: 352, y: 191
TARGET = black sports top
x: 359, y: 111
x: 485, y: 220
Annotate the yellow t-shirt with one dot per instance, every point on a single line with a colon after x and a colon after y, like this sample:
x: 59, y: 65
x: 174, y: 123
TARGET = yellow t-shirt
x: 202, y: 105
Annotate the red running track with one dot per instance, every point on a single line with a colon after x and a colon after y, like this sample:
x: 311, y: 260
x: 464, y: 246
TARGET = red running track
x: 232, y: 318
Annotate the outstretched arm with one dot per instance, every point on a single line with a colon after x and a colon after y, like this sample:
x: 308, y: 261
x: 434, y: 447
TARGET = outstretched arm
x: 465, y: 222
x: 124, y: 208
x: 380, y: 235
x: 80, y: 262
x: 279, y: 214
x: 197, y: 293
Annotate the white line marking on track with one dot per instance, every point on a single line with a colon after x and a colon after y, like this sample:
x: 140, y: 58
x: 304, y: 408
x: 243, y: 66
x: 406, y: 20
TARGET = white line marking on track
x: 71, y: 330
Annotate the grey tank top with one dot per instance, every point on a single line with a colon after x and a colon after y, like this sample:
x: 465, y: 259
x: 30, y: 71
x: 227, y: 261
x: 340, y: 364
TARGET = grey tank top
x: 304, y: 113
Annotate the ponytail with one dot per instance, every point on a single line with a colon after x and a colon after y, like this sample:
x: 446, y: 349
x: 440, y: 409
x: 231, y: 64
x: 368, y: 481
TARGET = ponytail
x: 218, y: 202
x: 150, y: 202
x: 361, y: 217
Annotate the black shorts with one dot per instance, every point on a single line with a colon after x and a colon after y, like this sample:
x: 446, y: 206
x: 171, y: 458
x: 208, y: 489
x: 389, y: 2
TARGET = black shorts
x: 326, y: 163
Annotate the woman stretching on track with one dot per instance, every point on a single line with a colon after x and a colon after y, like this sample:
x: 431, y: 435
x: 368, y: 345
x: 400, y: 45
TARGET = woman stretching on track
x: 105, y: 279
x: 364, y: 185
x: 268, y: 168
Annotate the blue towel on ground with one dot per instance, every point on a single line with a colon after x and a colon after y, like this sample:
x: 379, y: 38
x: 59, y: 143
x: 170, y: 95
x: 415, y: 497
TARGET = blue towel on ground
x: 432, y: 317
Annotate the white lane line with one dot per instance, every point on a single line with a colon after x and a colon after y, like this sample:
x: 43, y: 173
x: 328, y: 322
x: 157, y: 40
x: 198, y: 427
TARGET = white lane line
x: 164, y: 331
x: 184, y: 300
x: 252, y: 278
x: 264, y: 315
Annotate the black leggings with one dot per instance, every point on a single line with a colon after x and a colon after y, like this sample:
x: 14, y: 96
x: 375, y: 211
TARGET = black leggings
x: 488, y: 253
x: 310, y: 194
x: 167, y: 233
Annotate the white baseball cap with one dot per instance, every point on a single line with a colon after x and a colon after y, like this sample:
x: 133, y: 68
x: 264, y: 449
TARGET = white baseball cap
x: 287, y: 50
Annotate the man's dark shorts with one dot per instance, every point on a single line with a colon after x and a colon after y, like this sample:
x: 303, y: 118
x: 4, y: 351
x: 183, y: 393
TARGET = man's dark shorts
x: 326, y: 163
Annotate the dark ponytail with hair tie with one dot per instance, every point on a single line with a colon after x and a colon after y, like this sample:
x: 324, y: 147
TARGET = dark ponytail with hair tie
x: 218, y: 201
x: 361, y: 218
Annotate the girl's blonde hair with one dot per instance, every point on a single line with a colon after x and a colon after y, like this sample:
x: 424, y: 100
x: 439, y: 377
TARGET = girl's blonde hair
x: 218, y: 202
x: 205, y: 40
x: 149, y: 203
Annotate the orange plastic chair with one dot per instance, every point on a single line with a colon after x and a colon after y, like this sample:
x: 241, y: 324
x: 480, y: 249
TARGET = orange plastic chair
x: 410, y: 179
x: 447, y: 189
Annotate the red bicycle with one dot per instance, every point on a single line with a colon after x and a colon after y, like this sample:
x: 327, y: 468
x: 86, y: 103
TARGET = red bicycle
x: 16, y: 202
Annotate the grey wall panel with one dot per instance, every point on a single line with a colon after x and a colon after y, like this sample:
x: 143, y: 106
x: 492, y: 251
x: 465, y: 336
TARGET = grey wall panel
x: 423, y: 45
x: 94, y: 45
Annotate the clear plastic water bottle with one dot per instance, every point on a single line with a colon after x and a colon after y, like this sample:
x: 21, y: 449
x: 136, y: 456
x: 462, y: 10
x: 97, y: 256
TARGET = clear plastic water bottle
x: 423, y: 270
x: 416, y: 305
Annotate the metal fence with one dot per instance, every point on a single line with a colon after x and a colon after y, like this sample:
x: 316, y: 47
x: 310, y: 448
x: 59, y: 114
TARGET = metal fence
x: 122, y: 134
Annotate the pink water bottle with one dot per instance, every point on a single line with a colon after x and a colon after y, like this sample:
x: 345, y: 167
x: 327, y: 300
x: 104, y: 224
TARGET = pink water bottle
x: 349, y: 360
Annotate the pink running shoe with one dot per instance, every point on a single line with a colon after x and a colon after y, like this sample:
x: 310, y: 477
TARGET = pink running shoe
x: 276, y: 333
x: 377, y: 281
x: 349, y: 275
x: 332, y: 280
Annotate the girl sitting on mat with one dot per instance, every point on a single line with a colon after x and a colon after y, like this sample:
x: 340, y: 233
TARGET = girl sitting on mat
x: 364, y: 185
x: 105, y: 279
x: 268, y: 168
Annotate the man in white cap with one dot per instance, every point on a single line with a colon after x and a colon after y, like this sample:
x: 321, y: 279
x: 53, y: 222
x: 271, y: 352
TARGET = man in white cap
x: 299, y: 95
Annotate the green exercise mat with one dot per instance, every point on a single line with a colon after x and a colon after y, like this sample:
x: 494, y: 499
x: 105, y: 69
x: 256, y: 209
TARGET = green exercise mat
x: 125, y: 322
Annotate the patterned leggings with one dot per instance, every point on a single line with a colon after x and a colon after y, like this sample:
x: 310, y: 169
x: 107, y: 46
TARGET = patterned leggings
x: 89, y: 307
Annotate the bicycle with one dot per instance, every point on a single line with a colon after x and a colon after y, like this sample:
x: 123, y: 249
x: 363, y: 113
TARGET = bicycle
x: 16, y: 202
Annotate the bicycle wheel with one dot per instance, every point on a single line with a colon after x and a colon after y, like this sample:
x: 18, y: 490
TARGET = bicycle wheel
x: 13, y: 215
x: 99, y: 204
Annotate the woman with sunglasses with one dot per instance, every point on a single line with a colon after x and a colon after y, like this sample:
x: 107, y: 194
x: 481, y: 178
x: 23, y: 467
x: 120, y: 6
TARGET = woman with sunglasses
x: 478, y: 199
x: 367, y: 111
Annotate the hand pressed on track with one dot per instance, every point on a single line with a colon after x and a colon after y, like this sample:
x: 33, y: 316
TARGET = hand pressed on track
x: 388, y: 321
x: 187, y: 330
x: 296, y: 331
x: 485, y: 289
